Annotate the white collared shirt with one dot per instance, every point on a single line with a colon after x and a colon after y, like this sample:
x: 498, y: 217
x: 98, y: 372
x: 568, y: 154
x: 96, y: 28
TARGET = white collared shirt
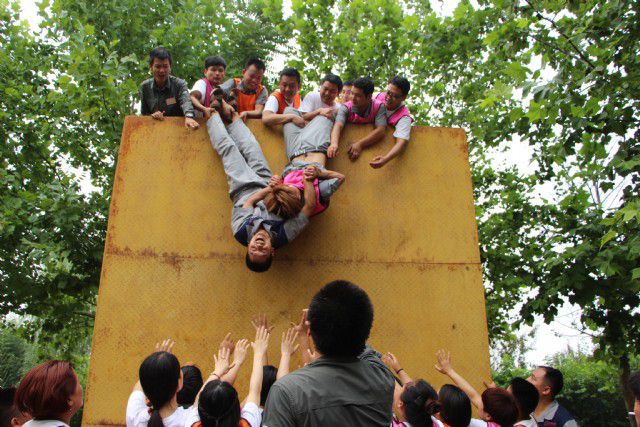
x: 45, y: 423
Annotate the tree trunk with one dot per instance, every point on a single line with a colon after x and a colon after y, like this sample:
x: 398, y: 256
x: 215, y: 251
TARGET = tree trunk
x: 629, y: 399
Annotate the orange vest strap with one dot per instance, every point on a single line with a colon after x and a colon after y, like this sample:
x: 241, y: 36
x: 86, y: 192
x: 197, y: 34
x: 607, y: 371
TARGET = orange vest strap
x: 282, y: 104
x: 247, y: 102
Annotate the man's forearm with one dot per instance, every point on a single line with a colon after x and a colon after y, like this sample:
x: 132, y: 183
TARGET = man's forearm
x: 270, y: 118
x: 397, y: 148
x: 310, y: 115
x: 336, y: 131
x: 373, y: 137
x: 254, y: 114
x: 196, y: 104
x: 255, y: 198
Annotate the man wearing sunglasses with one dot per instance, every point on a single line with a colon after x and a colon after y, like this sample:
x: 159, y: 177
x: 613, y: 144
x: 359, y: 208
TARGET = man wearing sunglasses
x: 398, y: 117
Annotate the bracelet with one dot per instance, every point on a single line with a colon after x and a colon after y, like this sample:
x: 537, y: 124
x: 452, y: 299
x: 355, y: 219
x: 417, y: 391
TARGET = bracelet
x: 398, y: 371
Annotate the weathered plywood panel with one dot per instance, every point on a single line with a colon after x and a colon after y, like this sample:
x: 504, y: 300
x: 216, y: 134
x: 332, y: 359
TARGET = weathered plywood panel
x: 406, y: 233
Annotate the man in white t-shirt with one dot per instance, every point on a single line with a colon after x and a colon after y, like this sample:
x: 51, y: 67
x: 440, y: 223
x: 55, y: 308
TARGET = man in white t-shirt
x: 214, y: 71
x: 322, y: 102
x: 287, y: 95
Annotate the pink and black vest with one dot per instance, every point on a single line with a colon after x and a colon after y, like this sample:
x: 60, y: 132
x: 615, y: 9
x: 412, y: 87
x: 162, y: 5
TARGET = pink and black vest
x: 401, y: 112
x: 207, y: 94
x: 359, y: 120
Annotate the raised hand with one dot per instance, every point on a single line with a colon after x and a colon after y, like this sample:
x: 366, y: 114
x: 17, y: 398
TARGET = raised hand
x: 391, y: 361
x: 261, y: 321
x: 165, y: 345
x: 240, y: 351
x: 302, y: 328
x: 444, y: 362
x: 288, y: 344
x: 221, y: 362
x: 227, y: 342
x: 261, y: 342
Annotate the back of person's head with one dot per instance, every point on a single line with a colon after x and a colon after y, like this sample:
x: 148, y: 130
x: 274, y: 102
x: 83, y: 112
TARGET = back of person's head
x: 256, y: 62
x: 455, y: 406
x: 340, y: 317
x: 258, y: 266
x: 269, y: 376
x: 501, y: 406
x: 348, y: 83
x: 45, y: 390
x: 526, y: 396
x: 332, y: 78
x: 554, y: 379
x: 10, y: 416
x: 191, y: 385
x: 291, y: 72
x: 284, y: 201
x: 634, y: 384
x: 401, y: 83
x: 215, y: 61
x: 160, y: 378
x: 420, y: 402
x: 365, y: 84
x: 218, y: 405
x: 160, y: 53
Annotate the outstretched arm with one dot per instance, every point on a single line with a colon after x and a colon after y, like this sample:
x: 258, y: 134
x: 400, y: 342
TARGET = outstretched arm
x: 392, y: 361
x: 261, y: 321
x: 253, y: 114
x: 310, y: 174
x: 270, y: 118
x: 374, y: 136
x: 327, y: 174
x: 302, y: 329
x: 256, y: 197
x: 398, y: 147
x: 259, y: 345
x: 239, y: 356
x: 220, y: 368
x: 444, y: 367
x: 336, y: 131
x: 287, y: 348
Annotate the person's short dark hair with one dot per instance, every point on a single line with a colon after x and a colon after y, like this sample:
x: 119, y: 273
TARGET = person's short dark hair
x: 554, y: 379
x: 218, y: 405
x: 340, y: 317
x: 191, y: 385
x: 160, y: 53
x: 501, y: 405
x: 8, y: 410
x: 420, y: 403
x: 258, y: 267
x: 455, y: 406
x: 401, y: 83
x: 256, y: 62
x: 214, y: 61
x: 365, y: 84
x: 332, y: 78
x: 291, y: 72
x: 634, y: 384
x: 348, y: 83
x: 269, y: 376
x: 526, y: 396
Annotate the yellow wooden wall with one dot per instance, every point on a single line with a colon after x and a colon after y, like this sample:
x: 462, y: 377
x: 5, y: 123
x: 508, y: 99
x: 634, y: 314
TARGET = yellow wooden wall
x: 406, y: 233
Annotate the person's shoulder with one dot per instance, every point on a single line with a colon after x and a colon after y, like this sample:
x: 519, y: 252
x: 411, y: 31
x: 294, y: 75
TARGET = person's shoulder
x: 563, y: 414
x: 146, y: 83
x: 177, y: 80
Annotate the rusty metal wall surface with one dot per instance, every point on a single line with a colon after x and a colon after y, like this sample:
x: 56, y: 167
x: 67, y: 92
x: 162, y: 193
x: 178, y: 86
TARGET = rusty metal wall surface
x: 406, y: 233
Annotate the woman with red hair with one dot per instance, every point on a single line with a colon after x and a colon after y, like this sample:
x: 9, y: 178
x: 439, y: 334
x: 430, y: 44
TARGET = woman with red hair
x: 50, y: 393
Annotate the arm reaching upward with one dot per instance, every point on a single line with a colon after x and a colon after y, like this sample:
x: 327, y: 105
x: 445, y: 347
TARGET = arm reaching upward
x: 444, y: 367
x: 260, y: 345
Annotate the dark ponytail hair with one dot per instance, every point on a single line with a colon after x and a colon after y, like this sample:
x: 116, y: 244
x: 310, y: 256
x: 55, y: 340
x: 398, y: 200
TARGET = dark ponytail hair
x: 420, y: 403
x: 218, y: 405
x: 191, y: 385
x: 269, y: 376
x: 159, y: 377
x: 455, y: 405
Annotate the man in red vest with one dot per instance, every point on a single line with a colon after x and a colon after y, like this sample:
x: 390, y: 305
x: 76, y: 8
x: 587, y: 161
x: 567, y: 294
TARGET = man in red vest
x: 250, y: 92
x: 287, y: 95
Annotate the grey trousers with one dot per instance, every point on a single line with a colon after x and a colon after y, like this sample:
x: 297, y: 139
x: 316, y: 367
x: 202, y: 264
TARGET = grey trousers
x: 244, y: 163
x: 314, y: 137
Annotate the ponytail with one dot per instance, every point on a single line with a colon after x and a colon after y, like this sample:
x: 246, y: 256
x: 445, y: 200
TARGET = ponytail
x: 420, y: 403
x: 283, y: 201
x: 159, y: 377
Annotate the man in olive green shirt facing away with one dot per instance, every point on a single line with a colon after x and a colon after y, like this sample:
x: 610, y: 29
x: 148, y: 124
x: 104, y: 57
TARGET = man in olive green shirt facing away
x: 165, y: 95
x: 348, y: 384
